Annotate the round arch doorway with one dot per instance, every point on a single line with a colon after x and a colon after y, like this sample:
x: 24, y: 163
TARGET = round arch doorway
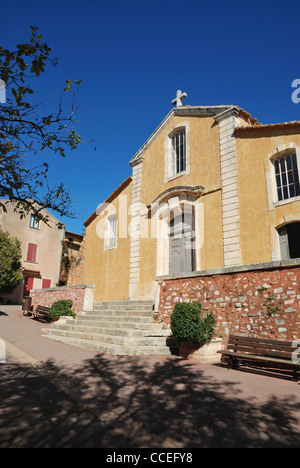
x: 289, y: 236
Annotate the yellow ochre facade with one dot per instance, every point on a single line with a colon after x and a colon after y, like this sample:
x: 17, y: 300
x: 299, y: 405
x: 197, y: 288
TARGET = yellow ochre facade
x: 211, y: 188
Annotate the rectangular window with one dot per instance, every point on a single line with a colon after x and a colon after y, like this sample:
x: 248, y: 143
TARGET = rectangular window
x: 34, y: 222
x: 31, y: 253
x: 287, y: 177
x: 179, y: 152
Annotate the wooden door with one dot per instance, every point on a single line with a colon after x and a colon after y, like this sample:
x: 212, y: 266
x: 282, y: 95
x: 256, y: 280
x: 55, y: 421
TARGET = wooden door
x: 289, y: 237
x: 182, y: 251
x: 28, y: 285
x: 284, y: 243
x: 294, y: 239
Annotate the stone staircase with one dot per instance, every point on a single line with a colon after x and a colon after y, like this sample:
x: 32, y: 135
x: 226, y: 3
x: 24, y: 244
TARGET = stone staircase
x: 119, y: 328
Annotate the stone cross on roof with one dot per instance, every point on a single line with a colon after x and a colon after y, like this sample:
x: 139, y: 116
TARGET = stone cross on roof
x: 179, y: 97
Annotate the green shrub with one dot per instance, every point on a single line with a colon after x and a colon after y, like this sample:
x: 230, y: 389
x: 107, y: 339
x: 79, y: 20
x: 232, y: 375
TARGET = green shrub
x: 10, y: 262
x: 188, y: 325
x: 62, y: 308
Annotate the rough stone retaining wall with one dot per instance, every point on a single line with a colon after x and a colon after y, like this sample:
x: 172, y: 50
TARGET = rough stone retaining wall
x: 81, y: 295
x: 75, y: 274
x: 261, y: 302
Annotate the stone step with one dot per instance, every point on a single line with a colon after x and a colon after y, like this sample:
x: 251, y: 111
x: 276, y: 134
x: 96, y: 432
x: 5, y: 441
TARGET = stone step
x: 121, y: 312
x: 110, y: 323
x: 118, y: 329
x: 141, y: 325
x: 124, y: 305
x: 121, y: 328
x: 110, y: 338
x: 127, y: 303
x: 100, y: 330
x: 134, y: 310
x: 157, y: 332
x: 117, y: 318
x: 115, y: 349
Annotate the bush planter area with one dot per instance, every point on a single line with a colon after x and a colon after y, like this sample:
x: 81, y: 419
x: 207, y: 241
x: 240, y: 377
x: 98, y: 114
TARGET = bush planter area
x: 194, y: 332
x: 206, y: 353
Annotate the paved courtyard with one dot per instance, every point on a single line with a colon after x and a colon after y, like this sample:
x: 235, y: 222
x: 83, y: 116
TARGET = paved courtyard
x: 59, y: 396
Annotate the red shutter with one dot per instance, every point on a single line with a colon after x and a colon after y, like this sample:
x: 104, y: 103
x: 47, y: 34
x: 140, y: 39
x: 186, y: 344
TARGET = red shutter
x: 46, y: 284
x: 31, y: 253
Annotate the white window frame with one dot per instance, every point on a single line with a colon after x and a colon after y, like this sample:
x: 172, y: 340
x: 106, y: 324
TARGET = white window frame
x: 34, y: 222
x: 280, y: 186
x: 170, y: 155
x: 111, y: 232
x: 272, y: 191
x: 178, y: 155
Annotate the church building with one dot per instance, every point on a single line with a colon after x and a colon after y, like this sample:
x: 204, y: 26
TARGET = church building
x: 211, y: 188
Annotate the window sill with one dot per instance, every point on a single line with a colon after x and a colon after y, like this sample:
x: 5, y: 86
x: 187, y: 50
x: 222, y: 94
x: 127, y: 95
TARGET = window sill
x: 286, y: 202
x: 176, y: 176
x: 110, y: 248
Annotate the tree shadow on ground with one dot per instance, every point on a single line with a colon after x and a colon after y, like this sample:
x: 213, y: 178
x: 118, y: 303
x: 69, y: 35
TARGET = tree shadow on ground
x: 115, y: 402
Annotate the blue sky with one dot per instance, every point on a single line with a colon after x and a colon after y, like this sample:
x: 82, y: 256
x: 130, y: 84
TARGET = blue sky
x: 132, y: 56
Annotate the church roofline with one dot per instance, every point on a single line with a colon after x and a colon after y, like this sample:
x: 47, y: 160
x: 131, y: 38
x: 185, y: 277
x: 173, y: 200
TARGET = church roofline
x: 203, y: 111
x: 108, y: 200
x: 274, y: 126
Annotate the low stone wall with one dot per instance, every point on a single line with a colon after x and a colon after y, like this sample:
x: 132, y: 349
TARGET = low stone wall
x: 260, y: 300
x: 14, y: 298
x: 81, y: 295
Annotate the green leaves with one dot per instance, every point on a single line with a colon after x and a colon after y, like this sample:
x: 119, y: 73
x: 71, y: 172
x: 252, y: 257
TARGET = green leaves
x: 26, y: 129
x: 62, y: 308
x: 189, y: 326
x: 68, y: 83
x: 10, y: 262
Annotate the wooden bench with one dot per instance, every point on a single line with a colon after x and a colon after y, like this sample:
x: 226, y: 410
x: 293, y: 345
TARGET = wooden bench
x: 261, y: 350
x: 42, y: 312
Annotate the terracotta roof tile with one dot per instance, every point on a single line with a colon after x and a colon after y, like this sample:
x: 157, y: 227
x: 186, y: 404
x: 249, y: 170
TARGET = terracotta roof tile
x: 275, y: 126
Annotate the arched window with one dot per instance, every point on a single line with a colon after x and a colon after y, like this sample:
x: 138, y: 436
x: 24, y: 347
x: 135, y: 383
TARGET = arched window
x: 287, y: 176
x: 176, y: 146
x: 289, y: 236
x: 178, y: 152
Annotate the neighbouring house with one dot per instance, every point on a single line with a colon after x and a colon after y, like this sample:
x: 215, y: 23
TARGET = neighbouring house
x: 41, y: 249
x: 72, y: 259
